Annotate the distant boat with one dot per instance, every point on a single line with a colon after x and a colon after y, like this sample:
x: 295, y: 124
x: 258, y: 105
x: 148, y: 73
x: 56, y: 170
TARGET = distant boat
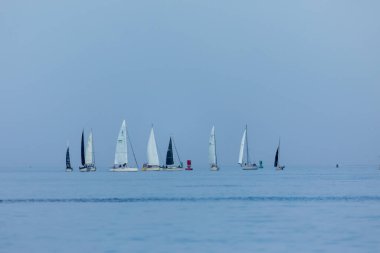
x: 261, y: 166
x: 87, y: 155
x: 212, y: 151
x: 277, y: 159
x: 246, y: 165
x: 68, y: 164
x: 153, y: 163
x: 169, y: 164
x: 121, y: 152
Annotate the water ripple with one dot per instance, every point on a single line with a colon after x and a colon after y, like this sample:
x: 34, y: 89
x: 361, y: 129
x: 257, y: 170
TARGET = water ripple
x: 196, y: 199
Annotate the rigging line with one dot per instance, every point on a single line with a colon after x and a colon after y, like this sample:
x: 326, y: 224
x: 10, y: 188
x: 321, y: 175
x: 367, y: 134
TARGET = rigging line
x: 93, y: 149
x: 216, y: 157
x: 176, y: 151
x: 133, y: 152
x: 160, y: 155
x: 246, y: 141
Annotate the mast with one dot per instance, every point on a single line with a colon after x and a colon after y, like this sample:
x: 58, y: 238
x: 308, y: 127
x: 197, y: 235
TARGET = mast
x: 82, y: 153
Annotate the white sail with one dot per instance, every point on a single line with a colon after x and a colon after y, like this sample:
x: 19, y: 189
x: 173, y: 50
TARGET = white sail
x: 152, y: 150
x: 121, y: 153
x: 242, y: 147
x: 212, y: 148
x: 89, y: 155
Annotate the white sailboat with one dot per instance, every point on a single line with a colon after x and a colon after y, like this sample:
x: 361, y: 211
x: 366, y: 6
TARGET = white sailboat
x: 153, y: 163
x: 277, y: 159
x: 87, y: 156
x: 246, y: 165
x: 121, y: 152
x: 212, y: 151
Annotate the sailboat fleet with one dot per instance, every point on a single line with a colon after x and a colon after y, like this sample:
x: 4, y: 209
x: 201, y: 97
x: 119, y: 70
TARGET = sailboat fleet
x: 122, y: 164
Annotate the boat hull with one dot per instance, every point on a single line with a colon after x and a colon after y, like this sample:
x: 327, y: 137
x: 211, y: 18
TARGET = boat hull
x: 91, y: 168
x: 214, y: 167
x: 172, y: 169
x: 151, y: 168
x: 69, y: 169
x: 124, y: 169
x: 250, y: 168
x: 280, y: 167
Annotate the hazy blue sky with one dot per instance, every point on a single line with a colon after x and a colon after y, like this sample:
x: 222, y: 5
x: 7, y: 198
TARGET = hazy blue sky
x: 306, y: 70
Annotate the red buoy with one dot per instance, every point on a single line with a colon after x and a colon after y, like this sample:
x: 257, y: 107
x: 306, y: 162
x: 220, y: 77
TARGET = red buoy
x: 189, y: 165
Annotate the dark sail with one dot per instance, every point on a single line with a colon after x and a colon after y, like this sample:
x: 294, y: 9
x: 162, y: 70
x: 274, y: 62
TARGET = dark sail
x: 82, y: 150
x: 276, y: 158
x: 68, y: 165
x: 169, y: 154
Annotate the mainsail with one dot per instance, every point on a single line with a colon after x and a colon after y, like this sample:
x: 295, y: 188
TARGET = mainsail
x: 169, y: 154
x: 277, y: 156
x: 212, y: 148
x: 152, y: 150
x: 121, y: 153
x: 241, y: 153
x: 68, y: 164
x: 82, y: 150
x: 89, y: 156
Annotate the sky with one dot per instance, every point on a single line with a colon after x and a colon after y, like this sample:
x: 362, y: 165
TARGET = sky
x: 307, y: 71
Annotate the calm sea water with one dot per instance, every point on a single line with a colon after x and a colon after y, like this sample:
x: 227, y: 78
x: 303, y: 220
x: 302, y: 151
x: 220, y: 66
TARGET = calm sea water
x: 296, y: 210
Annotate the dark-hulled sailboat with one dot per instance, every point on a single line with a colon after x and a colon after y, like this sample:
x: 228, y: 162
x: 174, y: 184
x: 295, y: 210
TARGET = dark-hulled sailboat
x: 277, y: 159
x: 169, y: 165
x: 68, y: 164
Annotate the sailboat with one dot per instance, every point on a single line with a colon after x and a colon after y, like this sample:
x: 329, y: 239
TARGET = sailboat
x: 169, y: 165
x: 246, y: 165
x: 87, y: 155
x: 121, y: 152
x: 68, y: 164
x: 212, y: 151
x: 153, y: 163
x: 277, y: 159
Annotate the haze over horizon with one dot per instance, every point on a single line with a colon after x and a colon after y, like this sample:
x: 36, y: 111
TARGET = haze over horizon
x: 307, y: 71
